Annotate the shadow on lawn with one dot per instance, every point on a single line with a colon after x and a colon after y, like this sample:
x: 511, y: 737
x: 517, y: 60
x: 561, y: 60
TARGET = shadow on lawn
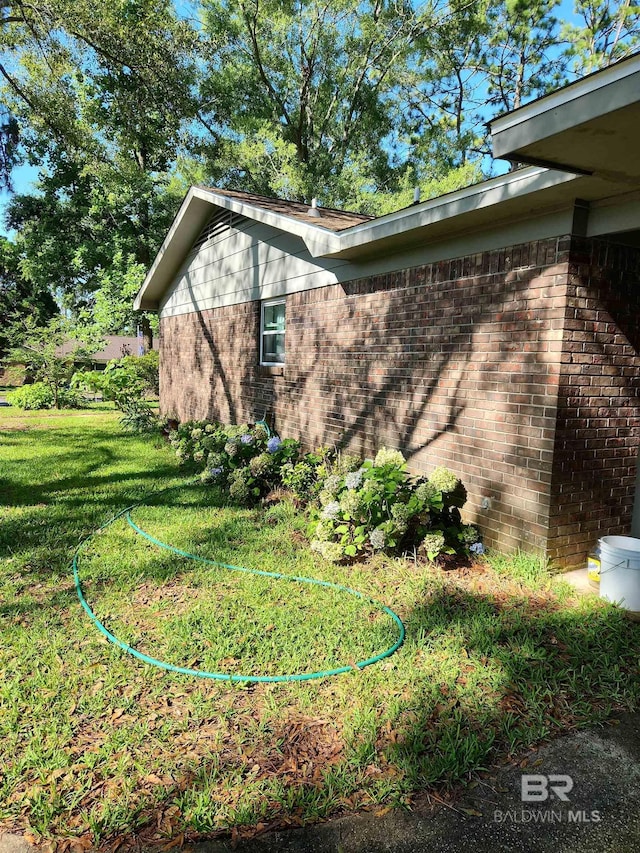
x: 555, y: 671
x: 482, y: 675
x: 55, y: 514
x: 86, y: 454
x: 50, y: 532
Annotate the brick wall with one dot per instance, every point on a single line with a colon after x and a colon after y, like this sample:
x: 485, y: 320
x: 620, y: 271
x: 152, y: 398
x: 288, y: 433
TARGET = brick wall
x: 598, y: 428
x: 455, y: 363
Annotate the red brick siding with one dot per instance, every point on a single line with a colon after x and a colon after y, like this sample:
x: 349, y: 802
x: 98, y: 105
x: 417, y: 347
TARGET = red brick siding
x: 598, y: 430
x: 456, y: 363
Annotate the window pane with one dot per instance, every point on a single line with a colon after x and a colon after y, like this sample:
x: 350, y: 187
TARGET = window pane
x: 274, y: 318
x: 273, y: 347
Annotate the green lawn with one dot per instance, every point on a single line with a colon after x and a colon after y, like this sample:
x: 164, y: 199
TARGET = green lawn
x: 96, y: 744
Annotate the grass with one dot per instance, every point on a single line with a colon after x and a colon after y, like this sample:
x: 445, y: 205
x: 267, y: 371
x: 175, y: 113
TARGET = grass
x: 96, y: 745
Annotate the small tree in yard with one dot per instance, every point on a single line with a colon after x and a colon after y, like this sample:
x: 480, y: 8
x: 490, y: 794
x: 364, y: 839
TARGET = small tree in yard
x: 50, y: 353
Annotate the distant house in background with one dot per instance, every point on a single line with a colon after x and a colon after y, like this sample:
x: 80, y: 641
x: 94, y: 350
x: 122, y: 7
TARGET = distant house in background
x: 495, y: 330
x: 117, y: 346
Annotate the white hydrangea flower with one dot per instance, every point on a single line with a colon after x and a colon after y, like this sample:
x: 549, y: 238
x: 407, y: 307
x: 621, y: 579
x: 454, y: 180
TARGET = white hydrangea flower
x: 331, y: 511
x: 388, y: 456
x: 377, y: 539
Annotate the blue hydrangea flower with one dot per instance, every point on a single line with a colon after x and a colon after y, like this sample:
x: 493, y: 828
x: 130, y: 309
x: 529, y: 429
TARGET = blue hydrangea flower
x: 209, y: 475
x: 246, y: 438
x: 274, y: 444
x: 477, y: 548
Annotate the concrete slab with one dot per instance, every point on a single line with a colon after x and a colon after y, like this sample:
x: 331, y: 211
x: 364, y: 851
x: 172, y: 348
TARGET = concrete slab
x: 14, y: 844
x: 600, y: 815
x: 579, y: 580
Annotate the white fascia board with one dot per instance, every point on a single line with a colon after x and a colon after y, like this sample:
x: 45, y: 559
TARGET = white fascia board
x: 171, y: 253
x: 562, y: 97
x: 480, y: 196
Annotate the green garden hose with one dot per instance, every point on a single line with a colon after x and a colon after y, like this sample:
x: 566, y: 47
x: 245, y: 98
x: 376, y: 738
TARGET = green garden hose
x: 220, y: 676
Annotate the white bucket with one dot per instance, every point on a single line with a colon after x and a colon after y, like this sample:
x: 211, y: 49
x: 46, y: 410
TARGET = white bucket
x: 620, y: 571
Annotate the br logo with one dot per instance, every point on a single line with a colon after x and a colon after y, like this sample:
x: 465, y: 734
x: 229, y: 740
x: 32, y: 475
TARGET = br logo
x: 535, y: 787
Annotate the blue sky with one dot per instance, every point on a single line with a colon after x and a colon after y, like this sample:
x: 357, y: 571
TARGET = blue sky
x: 25, y: 176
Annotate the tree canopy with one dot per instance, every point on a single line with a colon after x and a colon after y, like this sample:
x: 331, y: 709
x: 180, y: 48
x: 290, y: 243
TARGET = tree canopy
x: 19, y: 299
x: 122, y: 105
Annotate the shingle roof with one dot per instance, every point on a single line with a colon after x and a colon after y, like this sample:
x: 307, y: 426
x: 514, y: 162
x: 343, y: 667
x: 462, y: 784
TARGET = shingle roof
x: 333, y: 220
x: 116, y: 347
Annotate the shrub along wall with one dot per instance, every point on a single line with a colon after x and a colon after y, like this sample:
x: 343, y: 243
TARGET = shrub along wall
x: 357, y: 506
x: 456, y: 363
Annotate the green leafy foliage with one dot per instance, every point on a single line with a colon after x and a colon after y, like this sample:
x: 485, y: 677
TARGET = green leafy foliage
x: 19, y: 298
x: 305, y: 90
x: 49, y: 354
x: 138, y: 416
x: 602, y: 32
x: 245, y: 461
x: 40, y: 395
x: 303, y: 479
x: 379, y: 507
x: 124, y: 381
x: 102, y: 94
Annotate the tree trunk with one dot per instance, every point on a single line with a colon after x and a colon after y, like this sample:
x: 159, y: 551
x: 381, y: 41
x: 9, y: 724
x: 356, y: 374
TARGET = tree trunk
x: 147, y: 334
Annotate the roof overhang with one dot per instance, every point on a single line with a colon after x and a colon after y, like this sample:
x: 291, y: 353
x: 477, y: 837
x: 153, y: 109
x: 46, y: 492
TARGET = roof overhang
x: 189, y: 222
x: 514, y: 196
x: 588, y: 127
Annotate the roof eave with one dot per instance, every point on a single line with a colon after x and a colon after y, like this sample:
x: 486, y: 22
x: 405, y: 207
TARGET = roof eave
x: 523, y: 135
x: 190, y: 220
x: 451, y: 207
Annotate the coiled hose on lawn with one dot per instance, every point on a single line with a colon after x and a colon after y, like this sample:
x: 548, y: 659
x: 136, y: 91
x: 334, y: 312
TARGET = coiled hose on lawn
x: 221, y: 676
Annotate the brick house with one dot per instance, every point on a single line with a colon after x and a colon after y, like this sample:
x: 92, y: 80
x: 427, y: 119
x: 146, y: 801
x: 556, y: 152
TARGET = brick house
x: 495, y: 329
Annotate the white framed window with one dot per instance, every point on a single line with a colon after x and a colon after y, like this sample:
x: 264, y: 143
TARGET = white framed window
x: 272, y: 331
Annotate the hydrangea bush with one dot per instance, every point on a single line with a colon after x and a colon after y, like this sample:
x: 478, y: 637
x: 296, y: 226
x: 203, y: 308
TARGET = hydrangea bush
x: 243, y: 460
x: 305, y: 478
x: 356, y: 507
x: 379, y: 507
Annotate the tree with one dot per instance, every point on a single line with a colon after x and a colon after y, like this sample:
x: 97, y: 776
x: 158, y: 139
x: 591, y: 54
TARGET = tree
x: 19, y: 298
x: 102, y: 92
x: 299, y: 92
x: 443, y: 91
x: 8, y: 146
x: 520, y: 56
x: 50, y: 353
x: 607, y: 31
x: 79, y: 232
